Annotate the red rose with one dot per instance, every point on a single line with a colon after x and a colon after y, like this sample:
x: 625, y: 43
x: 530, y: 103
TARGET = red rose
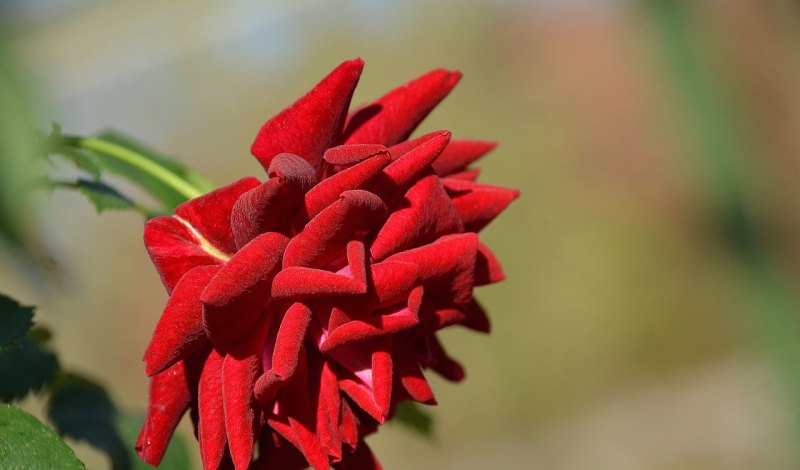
x: 302, y: 309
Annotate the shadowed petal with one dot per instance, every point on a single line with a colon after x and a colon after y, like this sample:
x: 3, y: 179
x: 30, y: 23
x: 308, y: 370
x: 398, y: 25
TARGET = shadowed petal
x: 488, y: 269
x: 270, y: 206
x: 238, y: 293
x: 180, y: 331
x: 394, y: 116
x: 314, y: 122
x: 361, y: 458
x: 410, y: 378
x: 439, y: 361
x: 168, y: 401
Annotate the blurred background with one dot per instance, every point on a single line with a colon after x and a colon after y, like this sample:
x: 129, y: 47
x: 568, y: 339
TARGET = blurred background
x: 651, y: 315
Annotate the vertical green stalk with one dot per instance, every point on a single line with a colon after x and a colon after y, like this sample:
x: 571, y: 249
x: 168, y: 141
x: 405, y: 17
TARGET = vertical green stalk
x: 725, y: 151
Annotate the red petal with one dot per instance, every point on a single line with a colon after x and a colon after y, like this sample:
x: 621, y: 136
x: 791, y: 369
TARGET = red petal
x: 361, y: 458
x: 210, y: 215
x: 392, y: 282
x: 402, y: 148
x: 394, y: 116
x: 270, y: 207
x: 239, y: 371
x: 459, y: 154
x: 411, y: 378
x: 174, y: 249
x: 274, y: 452
x: 446, y: 266
x: 179, y: 331
x: 478, y: 204
x: 382, y: 375
x: 376, y: 325
x: 236, y: 296
x: 325, y: 236
x: 211, y: 431
x: 348, y: 427
x: 402, y: 172
x: 169, y: 399
x: 328, y: 410
x: 488, y: 269
x: 470, y: 174
x: 426, y: 214
x: 439, y: 361
x: 314, y: 122
x: 346, y: 155
x: 476, y: 317
x: 291, y: 333
x: 299, y: 282
x: 355, y: 177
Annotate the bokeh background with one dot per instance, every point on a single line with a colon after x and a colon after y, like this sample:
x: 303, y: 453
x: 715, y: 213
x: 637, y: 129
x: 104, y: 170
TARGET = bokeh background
x: 651, y: 315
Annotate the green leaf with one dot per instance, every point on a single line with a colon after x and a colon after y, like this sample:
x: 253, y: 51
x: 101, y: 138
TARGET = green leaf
x: 15, y: 321
x: 176, y: 457
x: 25, y: 368
x: 199, y: 181
x: 103, y: 196
x: 26, y: 443
x: 81, y: 409
x: 83, y: 160
x: 409, y: 414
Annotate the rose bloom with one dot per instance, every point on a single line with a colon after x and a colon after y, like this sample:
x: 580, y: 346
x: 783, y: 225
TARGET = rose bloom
x: 304, y: 308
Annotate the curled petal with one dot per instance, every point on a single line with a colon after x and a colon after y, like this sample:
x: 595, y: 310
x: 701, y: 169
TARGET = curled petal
x: 284, y: 359
x: 355, y: 177
x: 459, y: 154
x: 180, y: 331
x: 298, y: 282
x: 270, y: 206
x: 394, y: 116
x: 169, y: 398
x: 427, y: 214
x: 478, y: 204
x: 376, y: 325
x: 237, y: 294
x: 405, y: 170
x: 314, y: 122
x: 446, y: 266
x: 392, y: 282
x: 326, y: 234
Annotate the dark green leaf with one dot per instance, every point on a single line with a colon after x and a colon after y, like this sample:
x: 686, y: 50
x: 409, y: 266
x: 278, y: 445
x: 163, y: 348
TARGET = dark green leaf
x: 176, y: 457
x: 39, y: 335
x: 82, y: 410
x: 199, y: 181
x: 25, y: 368
x: 15, y: 321
x: 26, y: 443
x: 409, y: 414
x: 103, y: 196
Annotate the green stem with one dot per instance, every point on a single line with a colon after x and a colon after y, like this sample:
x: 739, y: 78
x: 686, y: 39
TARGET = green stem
x: 137, y: 160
